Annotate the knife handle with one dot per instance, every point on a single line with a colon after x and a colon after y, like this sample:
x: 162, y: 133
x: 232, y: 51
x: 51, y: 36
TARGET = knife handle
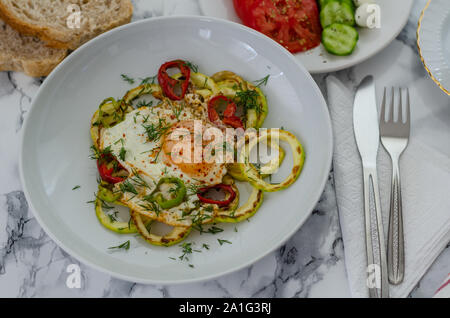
x: 377, y: 277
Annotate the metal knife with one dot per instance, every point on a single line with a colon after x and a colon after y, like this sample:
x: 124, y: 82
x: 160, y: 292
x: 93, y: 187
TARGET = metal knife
x: 365, y: 125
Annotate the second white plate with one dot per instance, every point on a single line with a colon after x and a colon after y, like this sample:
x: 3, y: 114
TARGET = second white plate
x: 433, y: 40
x: 394, y: 15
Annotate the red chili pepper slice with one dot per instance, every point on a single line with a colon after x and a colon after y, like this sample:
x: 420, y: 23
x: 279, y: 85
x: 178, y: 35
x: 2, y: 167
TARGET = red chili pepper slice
x: 106, y: 173
x: 229, y: 114
x: 168, y: 84
x: 227, y: 188
x: 233, y: 121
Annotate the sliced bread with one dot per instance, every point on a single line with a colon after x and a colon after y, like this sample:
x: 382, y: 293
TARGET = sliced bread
x: 48, y: 19
x: 26, y: 53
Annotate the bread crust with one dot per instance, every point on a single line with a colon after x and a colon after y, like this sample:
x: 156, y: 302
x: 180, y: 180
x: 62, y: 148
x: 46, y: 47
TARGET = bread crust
x: 51, y: 36
x: 31, y: 67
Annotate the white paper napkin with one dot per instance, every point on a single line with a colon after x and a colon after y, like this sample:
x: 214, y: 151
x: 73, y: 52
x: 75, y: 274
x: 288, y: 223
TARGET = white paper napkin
x: 425, y: 176
x: 444, y: 290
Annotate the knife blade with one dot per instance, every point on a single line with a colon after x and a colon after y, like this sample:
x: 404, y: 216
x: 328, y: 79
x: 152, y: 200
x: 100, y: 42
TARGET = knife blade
x: 367, y: 135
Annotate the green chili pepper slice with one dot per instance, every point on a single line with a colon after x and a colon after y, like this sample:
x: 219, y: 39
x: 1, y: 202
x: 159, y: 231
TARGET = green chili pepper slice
x: 180, y: 193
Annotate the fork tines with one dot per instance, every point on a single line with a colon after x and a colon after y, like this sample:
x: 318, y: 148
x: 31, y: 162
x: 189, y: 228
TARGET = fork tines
x: 391, y: 126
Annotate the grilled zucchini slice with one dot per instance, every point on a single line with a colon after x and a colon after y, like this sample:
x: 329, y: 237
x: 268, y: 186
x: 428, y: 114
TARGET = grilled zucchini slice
x: 178, y: 234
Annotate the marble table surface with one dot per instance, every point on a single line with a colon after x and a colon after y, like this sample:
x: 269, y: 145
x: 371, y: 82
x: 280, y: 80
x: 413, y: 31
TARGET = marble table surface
x: 310, y: 264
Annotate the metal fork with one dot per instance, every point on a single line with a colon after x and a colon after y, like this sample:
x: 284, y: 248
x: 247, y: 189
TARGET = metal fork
x: 394, y: 137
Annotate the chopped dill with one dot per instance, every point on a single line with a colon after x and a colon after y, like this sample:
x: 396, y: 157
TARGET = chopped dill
x: 76, y: 187
x: 214, y: 230
x: 192, y: 66
x: 126, y: 78
x: 144, y: 103
x: 106, y: 206
x: 186, y: 249
x: 139, y: 180
x: 192, y: 189
x: 113, y: 217
x: 197, y: 221
x: 221, y: 242
x: 155, y: 132
x: 126, y: 186
x: 119, y: 140
x: 125, y: 246
x: 176, y: 111
x: 122, y: 153
x: 151, y: 206
x: 262, y: 81
x: 248, y: 99
x: 148, y: 80
x: 96, y: 153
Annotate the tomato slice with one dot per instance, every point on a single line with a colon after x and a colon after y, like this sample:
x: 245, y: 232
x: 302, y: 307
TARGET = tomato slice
x: 242, y: 7
x: 294, y: 24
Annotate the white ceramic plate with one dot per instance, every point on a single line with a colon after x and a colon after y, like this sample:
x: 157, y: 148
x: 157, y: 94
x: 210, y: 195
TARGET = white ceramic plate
x: 433, y: 40
x: 55, y: 150
x: 394, y: 15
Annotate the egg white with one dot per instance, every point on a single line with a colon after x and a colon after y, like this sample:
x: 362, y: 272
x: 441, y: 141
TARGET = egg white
x: 143, y: 157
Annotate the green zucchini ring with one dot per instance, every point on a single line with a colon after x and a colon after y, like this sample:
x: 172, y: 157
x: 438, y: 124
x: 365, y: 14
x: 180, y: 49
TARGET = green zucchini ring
x: 111, y: 224
x: 229, y: 89
x: 253, y: 174
x: 257, y: 115
x: 273, y: 165
x: 233, y: 205
x: 263, y: 108
x: 144, y: 89
x: 235, y: 169
x: 204, y: 85
x: 106, y: 194
x: 247, y: 210
x: 229, y: 84
x: 226, y: 91
x: 230, y: 79
x: 178, y: 234
x: 109, y: 113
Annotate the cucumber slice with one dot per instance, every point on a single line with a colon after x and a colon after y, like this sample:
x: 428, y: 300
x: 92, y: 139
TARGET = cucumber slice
x: 340, y: 39
x: 323, y: 3
x: 337, y: 12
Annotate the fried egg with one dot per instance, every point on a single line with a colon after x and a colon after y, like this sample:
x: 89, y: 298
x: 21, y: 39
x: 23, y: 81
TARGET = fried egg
x: 143, y: 145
